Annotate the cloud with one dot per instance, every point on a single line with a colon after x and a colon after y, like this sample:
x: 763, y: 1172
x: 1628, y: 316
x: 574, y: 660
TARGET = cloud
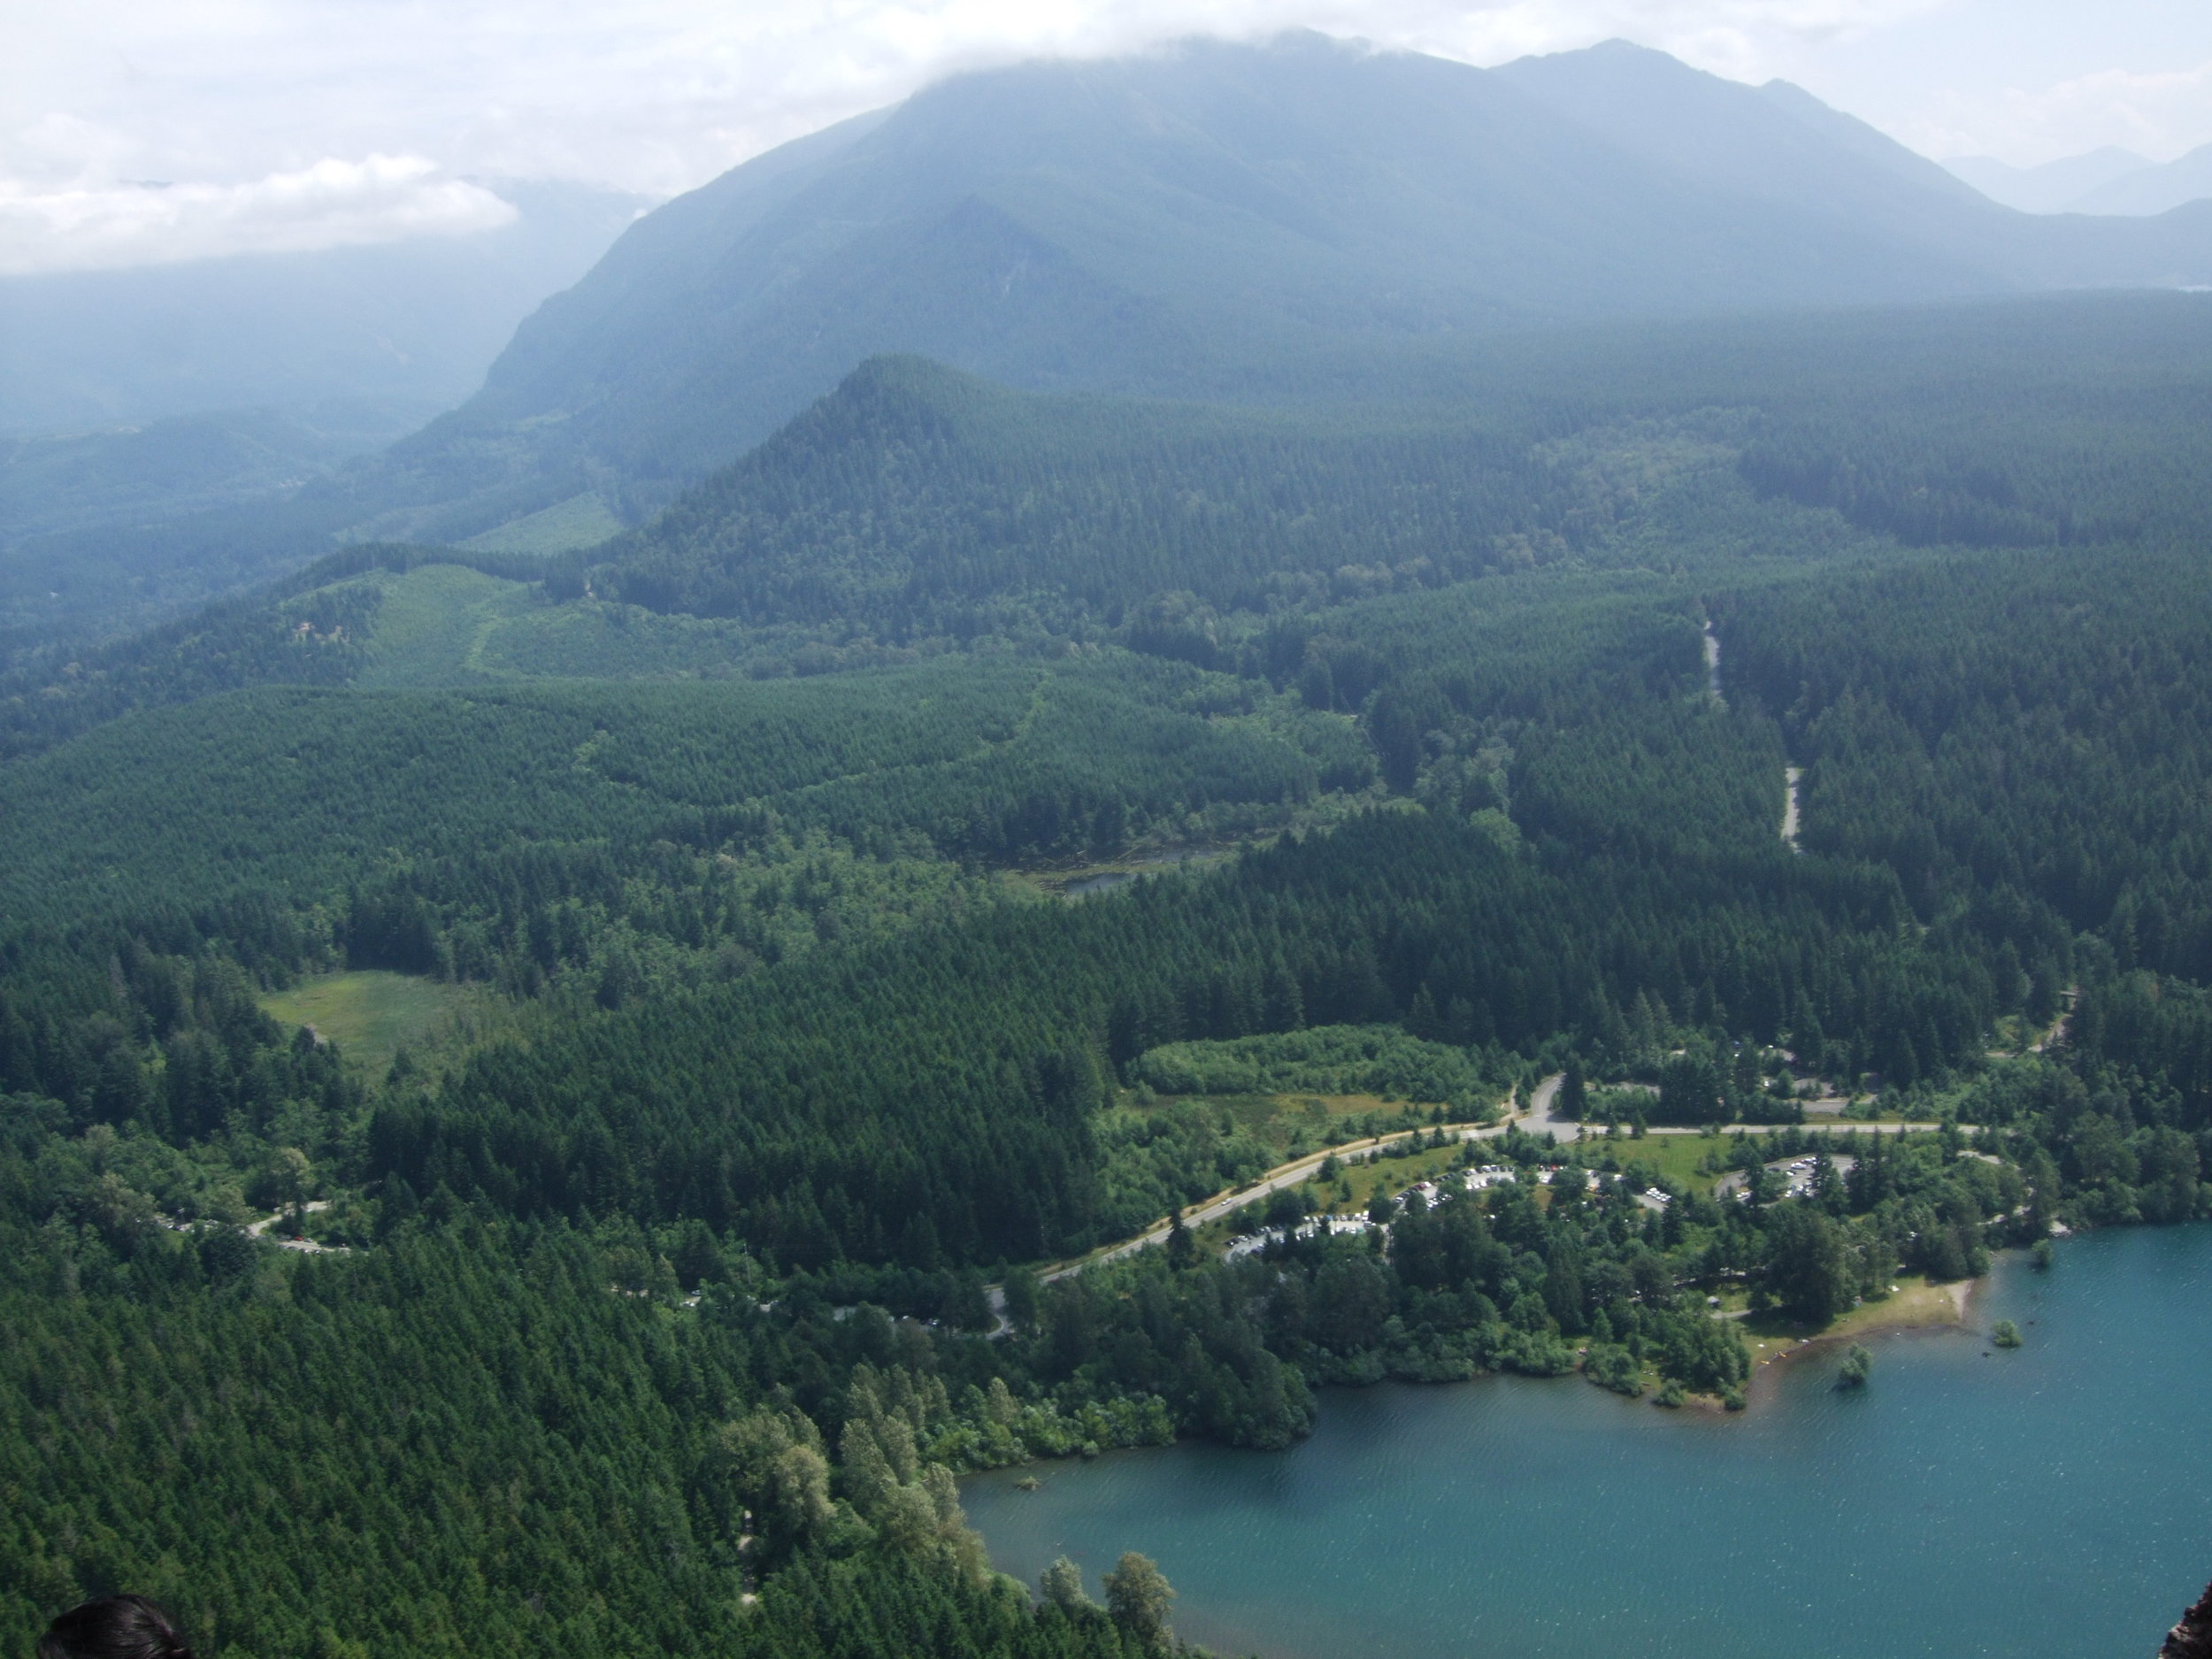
x: 676, y: 93
x: 658, y: 96
x: 331, y: 204
x: 2157, y: 114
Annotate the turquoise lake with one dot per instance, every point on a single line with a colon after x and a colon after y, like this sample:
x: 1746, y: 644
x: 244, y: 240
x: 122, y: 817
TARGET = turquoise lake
x: 2051, y: 1502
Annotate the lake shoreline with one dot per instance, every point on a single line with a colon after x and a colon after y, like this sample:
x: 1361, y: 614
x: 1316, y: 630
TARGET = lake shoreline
x: 1926, y: 1307
x: 1944, y: 1307
x: 1544, y: 1524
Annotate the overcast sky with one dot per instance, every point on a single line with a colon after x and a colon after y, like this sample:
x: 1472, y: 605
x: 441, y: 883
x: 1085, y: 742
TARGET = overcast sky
x: 134, y: 131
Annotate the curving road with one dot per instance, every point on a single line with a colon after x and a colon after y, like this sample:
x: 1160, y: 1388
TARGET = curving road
x: 1540, y: 1117
x: 1536, y: 1120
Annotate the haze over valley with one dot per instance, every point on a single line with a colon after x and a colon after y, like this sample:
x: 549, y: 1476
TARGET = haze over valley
x: 1070, y: 764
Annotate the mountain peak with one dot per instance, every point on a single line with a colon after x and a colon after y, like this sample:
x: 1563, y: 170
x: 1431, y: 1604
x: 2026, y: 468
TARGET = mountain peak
x: 1777, y: 140
x: 1210, y: 218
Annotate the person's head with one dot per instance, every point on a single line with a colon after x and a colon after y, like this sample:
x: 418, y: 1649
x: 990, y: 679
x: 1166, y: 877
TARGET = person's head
x: 120, y: 1627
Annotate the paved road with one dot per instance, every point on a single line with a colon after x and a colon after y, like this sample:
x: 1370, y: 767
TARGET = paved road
x: 1841, y: 1125
x: 1541, y: 1119
x: 1536, y: 1120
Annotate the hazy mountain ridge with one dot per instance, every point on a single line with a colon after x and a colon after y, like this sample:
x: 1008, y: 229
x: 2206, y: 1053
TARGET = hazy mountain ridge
x: 1775, y: 141
x: 1304, y: 222
x: 2155, y: 189
x: 169, y: 435
x: 912, y: 490
x: 671, y: 1038
x: 414, y: 321
x: 183, y: 463
x: 917, y: 510
x: 1193, y: 222
x: 2107, y: 181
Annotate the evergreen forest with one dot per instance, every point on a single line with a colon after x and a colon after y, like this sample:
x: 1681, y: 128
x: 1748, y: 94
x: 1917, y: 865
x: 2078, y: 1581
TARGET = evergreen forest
x: 976, y: 826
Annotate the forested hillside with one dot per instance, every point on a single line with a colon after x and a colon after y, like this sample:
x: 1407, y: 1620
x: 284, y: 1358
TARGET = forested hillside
x: 748, y: 854
x: 915, y: 510
x: 1205, y: 222
x: 158, y: 426
x: 1294, y: 222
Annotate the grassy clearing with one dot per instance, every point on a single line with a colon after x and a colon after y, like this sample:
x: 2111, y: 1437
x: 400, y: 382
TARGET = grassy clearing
x: 1673, y: 1159
x: 432, y: 623
x: 1294, y: 1124
x: 589, y: 640
x: 581, y: 521
x: 1918, y: 1301
x: 371, y: 1015
x: 445, y: 625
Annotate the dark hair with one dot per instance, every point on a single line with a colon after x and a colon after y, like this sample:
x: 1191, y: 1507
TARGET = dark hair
x: 120, y: 1627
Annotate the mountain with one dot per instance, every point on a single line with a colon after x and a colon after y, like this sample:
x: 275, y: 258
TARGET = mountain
x: 1206, y: 221
x: 183, y: 463
x: 1776, y: 144
x: 2155, y: 189
x: 736, y: 949
x: 2053, y: 187
x: 916, y: 503
x: 917, y: 512
x: 2111, y: 182
x: 1302, y: 221
x: 158, y: 428
x: 411, y: 323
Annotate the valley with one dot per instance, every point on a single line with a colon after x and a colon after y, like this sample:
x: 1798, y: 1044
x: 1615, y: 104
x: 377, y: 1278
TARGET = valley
x: 1004, y: 801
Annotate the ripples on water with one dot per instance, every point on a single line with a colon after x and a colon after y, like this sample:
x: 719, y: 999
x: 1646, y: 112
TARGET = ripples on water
x: 2047, y: 1503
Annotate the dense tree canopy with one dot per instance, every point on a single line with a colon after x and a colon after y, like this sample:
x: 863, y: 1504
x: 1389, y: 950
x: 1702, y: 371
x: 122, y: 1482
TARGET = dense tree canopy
x: 664, y: 1268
